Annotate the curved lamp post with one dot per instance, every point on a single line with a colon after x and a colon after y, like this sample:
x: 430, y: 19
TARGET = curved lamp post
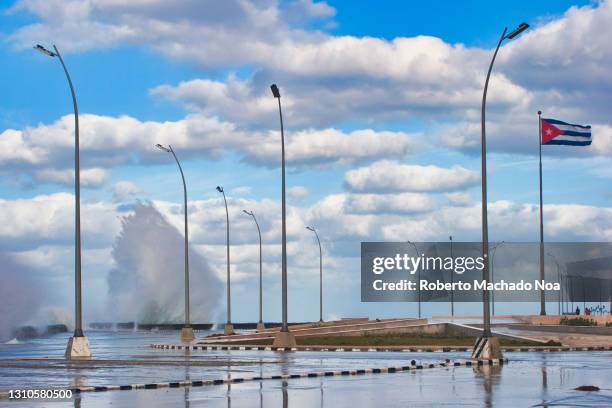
x: 260, y: 324
x: 560, y: 297
x: 284, y: 338
x: 229, y: 328
x: 320, y: 275
x: 484, y: 348
x: 187, y: 331
x: 492, y: 275
x: 450, y: 238
x: 416, y: 250
x: 483, y: 147
x: 78, y: 345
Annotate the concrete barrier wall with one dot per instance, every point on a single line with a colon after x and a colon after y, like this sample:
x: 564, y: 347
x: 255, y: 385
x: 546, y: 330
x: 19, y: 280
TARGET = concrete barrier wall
x: 554, y: 320
x: 606, y: 331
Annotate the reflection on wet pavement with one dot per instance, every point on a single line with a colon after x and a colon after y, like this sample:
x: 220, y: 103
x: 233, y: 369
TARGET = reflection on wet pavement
x: 530, y: 379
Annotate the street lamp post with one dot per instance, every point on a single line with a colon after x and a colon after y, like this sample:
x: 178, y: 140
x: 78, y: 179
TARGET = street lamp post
x: 450, y: 238
x: 320, y: 275
x: 284, y: 337
x: 560, y: 297
x: 492, y: 275
x: 78, y: 345
x: 484, y: 348
x: 187, y: 330
x: 583, y: 294
x: 260, y: 324
x: 416, y: 250
x: 229, y: 327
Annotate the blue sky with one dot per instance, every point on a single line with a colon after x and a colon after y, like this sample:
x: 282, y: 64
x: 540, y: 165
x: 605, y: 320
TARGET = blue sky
x: 373, y: 91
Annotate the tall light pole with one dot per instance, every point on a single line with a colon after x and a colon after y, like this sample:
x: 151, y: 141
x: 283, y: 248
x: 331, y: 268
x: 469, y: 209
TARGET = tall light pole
x: 481, y: 344
x: 78, y: 345
x: 416, y: 250
x: 320, y: 275
x: 229, y: 327
x: 284, y: 338
x: 492, y: 275
x: 560, y: 297
x: 187, y: 331
x: 260, y: 324
x: 450, y: 238
x: 542, y: 265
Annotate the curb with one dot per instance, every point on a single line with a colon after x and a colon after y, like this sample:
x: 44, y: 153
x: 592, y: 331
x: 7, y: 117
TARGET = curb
x: 199, y: 383
x: 371, y: 349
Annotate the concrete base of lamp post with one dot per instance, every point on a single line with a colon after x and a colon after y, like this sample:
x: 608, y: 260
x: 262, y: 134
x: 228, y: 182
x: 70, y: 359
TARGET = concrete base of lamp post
x: 78, y: 348
x: 284, y: 339
x: 261, y: 326
x: 487, y: 348
x: 228, y: 329
x: 187, y: 335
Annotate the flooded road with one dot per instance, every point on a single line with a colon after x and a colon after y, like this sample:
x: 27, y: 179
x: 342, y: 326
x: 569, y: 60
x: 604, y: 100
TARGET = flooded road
x: 529, y: 379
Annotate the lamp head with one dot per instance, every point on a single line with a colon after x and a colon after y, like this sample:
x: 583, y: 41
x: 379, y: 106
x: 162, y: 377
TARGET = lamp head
x: 220, y: 189
x: 160, y: 147
x: 521, y: 27
x: 45, y: 51
x: 247, y: 212
x: 275, y: 90
x: 310, y: 228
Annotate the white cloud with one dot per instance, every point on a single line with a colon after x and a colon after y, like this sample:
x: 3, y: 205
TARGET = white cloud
x: 561, y: 66
x: 26, y: 223
x: 109, y: 141
x: 331, y: 146
x: 124, y: 190
x: 297, y: 193
x: 459, y: 198
x: 388, y: 203
x: 91, y: 177
x: 390, y: 176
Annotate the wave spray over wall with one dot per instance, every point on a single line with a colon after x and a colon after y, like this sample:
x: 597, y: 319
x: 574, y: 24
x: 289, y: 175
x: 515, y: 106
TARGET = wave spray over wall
x: 147, y: 283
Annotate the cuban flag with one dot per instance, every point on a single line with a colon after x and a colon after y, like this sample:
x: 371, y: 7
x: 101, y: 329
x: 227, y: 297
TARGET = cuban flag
x: 555, y: 132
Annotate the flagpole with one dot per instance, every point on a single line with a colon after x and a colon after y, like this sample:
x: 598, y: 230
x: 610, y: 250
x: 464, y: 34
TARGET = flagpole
x: 542, y: 297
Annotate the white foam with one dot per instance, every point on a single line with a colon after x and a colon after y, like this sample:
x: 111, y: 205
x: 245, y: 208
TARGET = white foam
x: 13, y: 341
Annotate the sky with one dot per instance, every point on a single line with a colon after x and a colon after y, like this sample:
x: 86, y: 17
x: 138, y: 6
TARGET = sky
x: 382, y: 116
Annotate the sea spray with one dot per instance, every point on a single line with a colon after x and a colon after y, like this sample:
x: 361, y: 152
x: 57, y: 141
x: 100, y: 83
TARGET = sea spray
x: 21, y: 296
x: 147, y: 283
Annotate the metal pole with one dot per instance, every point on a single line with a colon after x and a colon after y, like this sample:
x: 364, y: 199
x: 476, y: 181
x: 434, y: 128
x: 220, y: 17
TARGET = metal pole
x: 560, y: 296
x: 229, y: 295
x: 492, y: 275
x: 260, y: 273
x: 542, y: 295
x: 320, y: 279
x: 452, y: 278
x: 571, y: 284
x: 485, y: 226
x: 285, y: 326
x: 320, y: 275
x: 252, y: 214
x: 187, y: 319
x: 78, y: 315
x: 583, y: 294
x: 416, y: 250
